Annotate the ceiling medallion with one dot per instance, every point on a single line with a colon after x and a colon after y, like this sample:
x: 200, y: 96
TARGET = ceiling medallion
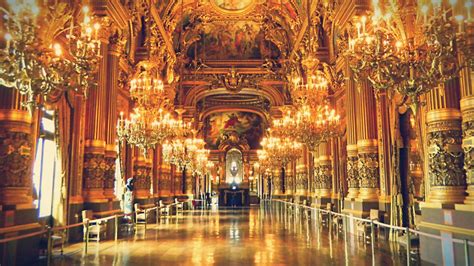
x: 233, y: 7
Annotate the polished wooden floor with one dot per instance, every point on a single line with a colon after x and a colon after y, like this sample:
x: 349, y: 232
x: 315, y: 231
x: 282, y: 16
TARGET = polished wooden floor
x: 252, y: 236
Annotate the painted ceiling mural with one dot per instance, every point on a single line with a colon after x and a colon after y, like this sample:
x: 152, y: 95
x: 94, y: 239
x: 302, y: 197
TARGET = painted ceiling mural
x: 247, y: 29
x: 220, y: 126
x: 229, y: 40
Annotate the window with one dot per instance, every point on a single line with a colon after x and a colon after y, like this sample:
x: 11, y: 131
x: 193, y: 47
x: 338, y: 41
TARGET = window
x: 45, y: 170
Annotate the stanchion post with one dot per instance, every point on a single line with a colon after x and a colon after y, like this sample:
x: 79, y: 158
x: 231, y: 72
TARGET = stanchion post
x: 157, y: 214
x: 116, y: 227
x: 466, y: 252
x: 87, y: 235
x: 372, y: 240
x: 146, y: 211
x: 408, y: 245
x: 50, y: 245
x: 344, y: 226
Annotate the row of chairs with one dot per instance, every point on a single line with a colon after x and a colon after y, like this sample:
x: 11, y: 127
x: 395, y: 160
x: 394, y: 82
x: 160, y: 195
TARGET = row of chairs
x: 97, y: 228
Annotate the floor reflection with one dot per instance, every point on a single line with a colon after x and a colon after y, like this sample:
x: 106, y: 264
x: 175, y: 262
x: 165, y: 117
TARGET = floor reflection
x: 257, y: 236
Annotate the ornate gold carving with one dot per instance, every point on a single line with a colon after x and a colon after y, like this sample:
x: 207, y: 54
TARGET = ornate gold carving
x: 368, y: 165
x: 467, y: 107
x: 445, y: 158
x: 94, y: 170
x: 15, y: 159
x: 352, y: 172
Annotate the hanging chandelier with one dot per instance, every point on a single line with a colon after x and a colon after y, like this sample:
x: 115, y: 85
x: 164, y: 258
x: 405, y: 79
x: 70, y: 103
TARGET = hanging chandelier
x: 33, y: 62
x: 146, y: 129
x: 316, y: 125
x: 281, y: 151
x: 184, y: 152
x: 310, y: 90
x: 148, y: 90
x: 391, y: 57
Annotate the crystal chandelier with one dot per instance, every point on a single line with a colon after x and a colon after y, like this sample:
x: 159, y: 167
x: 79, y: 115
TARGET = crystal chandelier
x: 310, y: 90
x: 146, y: 129
x: 33, y: 63
x: 315, y: 125
x: 148, y: 89
x: 184, y: 152
x: 281, y: 151
x: 390, y: 56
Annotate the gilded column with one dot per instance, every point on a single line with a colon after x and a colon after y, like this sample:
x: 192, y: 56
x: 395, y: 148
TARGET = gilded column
x: 467, y: 109
x: 113, y: 56
x: 277, y: 182
x: 16, y: 154
x: 352, y: 157
x: 95, y: 164
x: 325, y: 171
x: 142, y: 177
x: 367, y: 147
x: 157, y: 172
x: 444, y: 142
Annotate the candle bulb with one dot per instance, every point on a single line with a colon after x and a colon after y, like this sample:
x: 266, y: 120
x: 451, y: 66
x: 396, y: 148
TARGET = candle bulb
x: 8, y: 38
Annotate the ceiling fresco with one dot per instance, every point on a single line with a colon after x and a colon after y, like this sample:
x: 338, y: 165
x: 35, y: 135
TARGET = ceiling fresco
x: 246, y: 126
x: 246, y: 29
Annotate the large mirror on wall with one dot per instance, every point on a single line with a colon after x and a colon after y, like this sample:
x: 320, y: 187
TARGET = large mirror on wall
x: 234, y: 171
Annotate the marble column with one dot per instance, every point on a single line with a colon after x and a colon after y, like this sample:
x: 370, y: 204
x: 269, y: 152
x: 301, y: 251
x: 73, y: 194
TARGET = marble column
x: 367, y: 147
x: 352, y: 154
x: 95, y: 165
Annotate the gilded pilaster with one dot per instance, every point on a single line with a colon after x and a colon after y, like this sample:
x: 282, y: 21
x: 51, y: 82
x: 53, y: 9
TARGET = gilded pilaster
x: 115, y: 48
x: 351, y: 114
x: 444, y: 142
x: 95, y: 163
x: 367, y: 147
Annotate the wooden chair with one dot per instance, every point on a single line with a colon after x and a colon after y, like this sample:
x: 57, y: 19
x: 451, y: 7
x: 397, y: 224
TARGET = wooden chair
x: 140, y: 214
x: 95, y: 229
x: 179, y: 205
x: 164, y: 209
